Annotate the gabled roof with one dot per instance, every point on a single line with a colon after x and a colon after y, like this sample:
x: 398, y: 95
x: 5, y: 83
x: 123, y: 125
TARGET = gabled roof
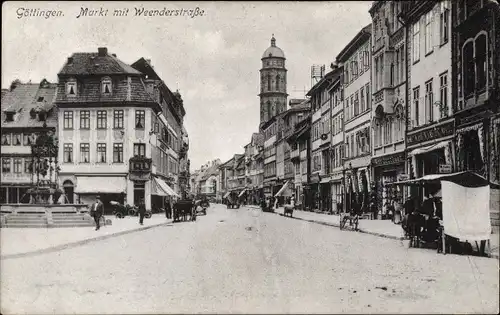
x: 363, y: 35
x: 330, y: 77
x: 258, y: 139
x: 90, y: 63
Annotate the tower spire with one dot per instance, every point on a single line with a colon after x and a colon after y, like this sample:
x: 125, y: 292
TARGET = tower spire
x: 273, y: 41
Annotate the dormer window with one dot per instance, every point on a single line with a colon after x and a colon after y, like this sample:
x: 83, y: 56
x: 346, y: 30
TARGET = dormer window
x: 71, y: 88
x: 106, y: 86
x: 40, y: 99
x: 9, y: 116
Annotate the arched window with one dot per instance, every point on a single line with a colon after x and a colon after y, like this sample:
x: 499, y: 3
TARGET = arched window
x: 269, y: 82
x: 278, y: 82
x: 106, y: 86
x: 468, y: 68
x: 481, y: 61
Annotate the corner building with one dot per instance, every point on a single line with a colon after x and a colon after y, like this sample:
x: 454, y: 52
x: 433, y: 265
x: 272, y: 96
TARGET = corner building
x: 105, y: 120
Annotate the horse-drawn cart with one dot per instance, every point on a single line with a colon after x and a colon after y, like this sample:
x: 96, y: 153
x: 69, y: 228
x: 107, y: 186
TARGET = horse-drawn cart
x: 457, y: 210
x: 184, y: 208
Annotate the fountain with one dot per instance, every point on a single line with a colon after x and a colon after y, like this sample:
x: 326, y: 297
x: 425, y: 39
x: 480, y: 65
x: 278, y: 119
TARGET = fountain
x: 47, y: 204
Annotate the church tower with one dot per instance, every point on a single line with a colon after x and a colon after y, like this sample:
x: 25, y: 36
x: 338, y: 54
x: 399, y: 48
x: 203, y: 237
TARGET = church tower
x: 272, y: 82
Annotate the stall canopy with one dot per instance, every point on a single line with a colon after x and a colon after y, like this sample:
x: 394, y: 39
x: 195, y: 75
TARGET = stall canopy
x: 242, y: 192
x: 466, y: 203
x: 280, y: 192
x: 100, y: 185
x: 169, y: 191
x: 226, y: 195
x: 466, y: 179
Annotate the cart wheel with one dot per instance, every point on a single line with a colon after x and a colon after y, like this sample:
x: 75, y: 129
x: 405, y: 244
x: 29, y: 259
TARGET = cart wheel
x: 131, y: 212
x: 148, y: 215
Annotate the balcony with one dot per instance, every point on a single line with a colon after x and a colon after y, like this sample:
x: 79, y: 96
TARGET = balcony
x: 140, y: 164
x: 397, y: 37
x: 294, y: 154
x: 385, y: 98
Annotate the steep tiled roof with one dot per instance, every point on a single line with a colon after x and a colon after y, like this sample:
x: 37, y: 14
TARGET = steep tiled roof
x: 212, y: 170
x: 92, y: 63
x: 27, y: 97
x: 89, y: 91
x: 258, y: 139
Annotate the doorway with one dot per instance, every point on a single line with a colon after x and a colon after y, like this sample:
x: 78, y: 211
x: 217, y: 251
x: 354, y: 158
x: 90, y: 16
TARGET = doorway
x: 139, y: 192
x: 69, y: 190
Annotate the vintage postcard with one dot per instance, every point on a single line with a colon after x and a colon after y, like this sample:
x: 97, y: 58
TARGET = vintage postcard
x: 250, y: 157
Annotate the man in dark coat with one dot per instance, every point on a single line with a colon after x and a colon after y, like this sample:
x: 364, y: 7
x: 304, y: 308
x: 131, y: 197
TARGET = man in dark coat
x: 142, y: 211
x: 168, y: 210
x: 97, y: 211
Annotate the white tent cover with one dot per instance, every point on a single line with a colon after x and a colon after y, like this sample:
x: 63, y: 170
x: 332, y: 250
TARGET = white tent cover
x: 466, y: 211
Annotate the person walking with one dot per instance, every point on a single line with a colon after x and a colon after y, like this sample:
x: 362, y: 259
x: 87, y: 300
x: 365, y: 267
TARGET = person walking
x: 168, y: 210
x: 142, y: 211
x: 97, y: 211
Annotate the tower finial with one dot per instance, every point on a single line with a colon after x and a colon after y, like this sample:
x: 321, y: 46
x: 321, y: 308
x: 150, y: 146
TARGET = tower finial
x: 273, y: 41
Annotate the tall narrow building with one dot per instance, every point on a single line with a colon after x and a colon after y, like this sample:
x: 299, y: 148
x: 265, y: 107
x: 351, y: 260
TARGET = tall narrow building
x: 273, y: 94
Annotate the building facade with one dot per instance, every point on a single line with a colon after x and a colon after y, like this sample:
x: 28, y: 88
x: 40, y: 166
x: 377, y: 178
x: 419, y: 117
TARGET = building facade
x: 27, y: 112
x: 336, y: 91
x: 355, y: 60
x: 389, y: 94
x: 475, y: 76
x: 254, y: 170
x: 106, y: 126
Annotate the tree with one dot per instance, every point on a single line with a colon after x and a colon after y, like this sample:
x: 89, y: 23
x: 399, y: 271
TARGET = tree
x: 14, y: 84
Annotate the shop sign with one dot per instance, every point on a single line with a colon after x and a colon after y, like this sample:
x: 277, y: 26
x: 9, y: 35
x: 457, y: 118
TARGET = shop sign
x: 138, y: 176
x: 431, y: 133
x: 397, y: 158
x: 315, y: 178
x: 474, y: 118
x: 444, y: 168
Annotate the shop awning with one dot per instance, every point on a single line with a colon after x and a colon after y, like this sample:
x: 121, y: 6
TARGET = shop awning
x: 157, y: 190
x: 100, y: 185
x: 169, y: 191
x: 325, y: 180
x: 226, y: 195
x: 465, y: 179
x: 429, y: 148
x: 242, y: 192
x: 282, y: 189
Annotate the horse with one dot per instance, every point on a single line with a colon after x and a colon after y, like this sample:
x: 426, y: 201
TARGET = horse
x: 413, y: 224
x: 288, y: 208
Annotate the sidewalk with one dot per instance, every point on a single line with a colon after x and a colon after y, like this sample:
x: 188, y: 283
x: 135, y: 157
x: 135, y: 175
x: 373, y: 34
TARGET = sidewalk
x: 18, y: 242
x: 381, y: 228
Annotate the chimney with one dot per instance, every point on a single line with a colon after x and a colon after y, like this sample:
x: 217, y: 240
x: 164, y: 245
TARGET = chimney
x: 114, y: 55
x: 103, y: 51
x: 70, y: 60
x: 148, y: 61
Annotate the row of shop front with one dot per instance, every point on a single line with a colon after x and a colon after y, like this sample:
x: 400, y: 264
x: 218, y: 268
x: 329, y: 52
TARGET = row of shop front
x: 451, y: 145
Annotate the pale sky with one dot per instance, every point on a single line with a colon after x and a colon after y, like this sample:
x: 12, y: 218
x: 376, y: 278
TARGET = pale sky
x: 214, y: 59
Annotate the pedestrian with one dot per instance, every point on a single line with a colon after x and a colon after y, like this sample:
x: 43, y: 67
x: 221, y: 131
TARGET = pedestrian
x: 142, y: 211
x: 168, y: 210
x: 97, y: 211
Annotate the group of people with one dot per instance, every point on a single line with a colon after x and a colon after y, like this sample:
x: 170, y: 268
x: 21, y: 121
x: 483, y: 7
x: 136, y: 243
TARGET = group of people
x: 424, y: 217
x: 97, y: 212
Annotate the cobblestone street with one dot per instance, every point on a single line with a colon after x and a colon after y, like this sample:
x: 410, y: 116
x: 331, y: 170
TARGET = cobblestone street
x: 244, y: 260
